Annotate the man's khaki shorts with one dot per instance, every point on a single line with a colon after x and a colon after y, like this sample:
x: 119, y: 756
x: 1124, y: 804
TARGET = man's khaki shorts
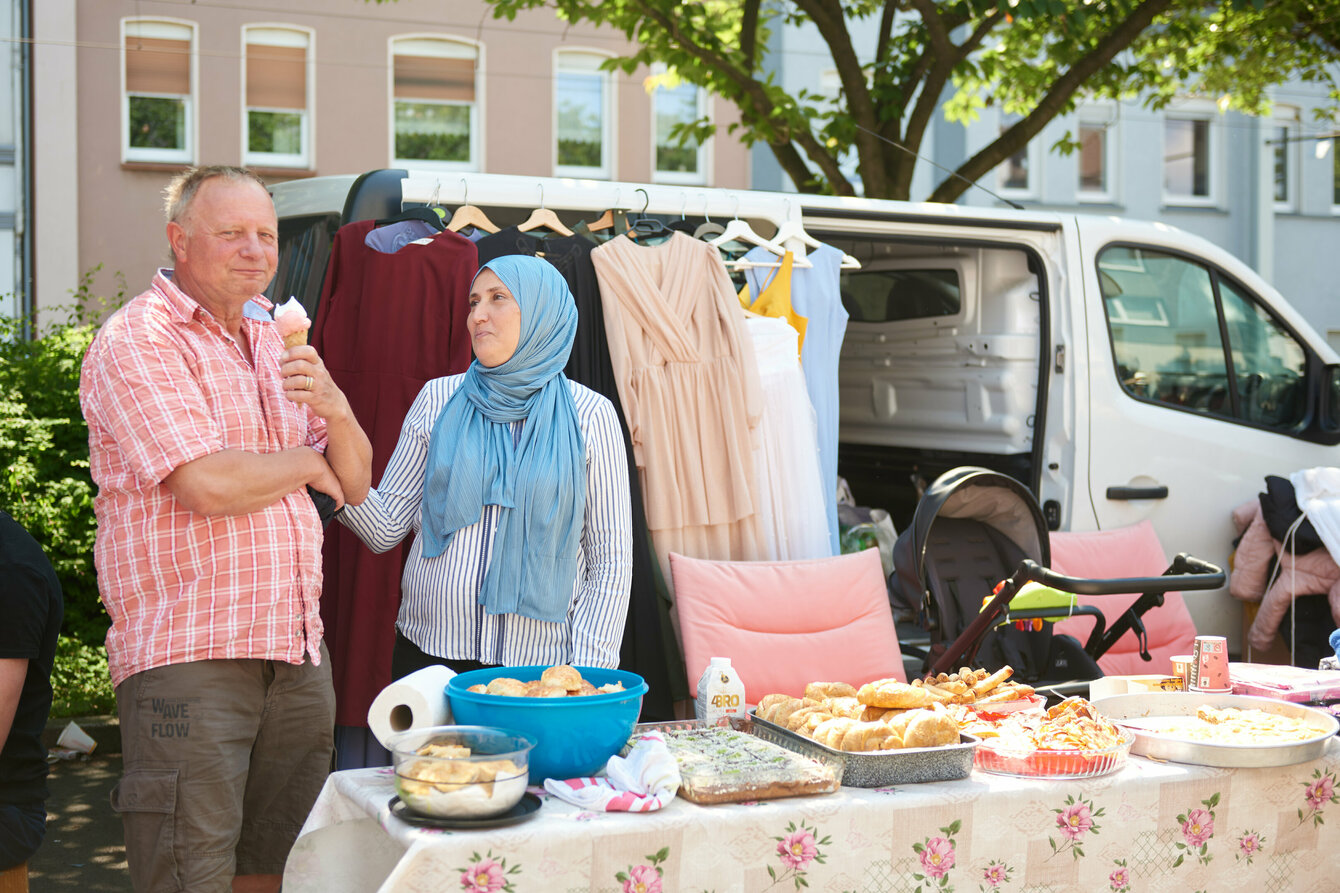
x: 223, y: 761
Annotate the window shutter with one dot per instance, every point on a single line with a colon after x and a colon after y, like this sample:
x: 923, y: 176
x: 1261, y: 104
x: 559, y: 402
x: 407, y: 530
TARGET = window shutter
x: 156, y: 65
x: 276, y: 77
x: 434, y: 77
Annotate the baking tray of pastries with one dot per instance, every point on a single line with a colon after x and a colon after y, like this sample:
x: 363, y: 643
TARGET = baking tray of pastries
x: 878, y: 769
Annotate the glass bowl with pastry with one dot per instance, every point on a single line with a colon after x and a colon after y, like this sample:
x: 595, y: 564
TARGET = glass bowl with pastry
x: 459, y: 772
x: 1069, y: 740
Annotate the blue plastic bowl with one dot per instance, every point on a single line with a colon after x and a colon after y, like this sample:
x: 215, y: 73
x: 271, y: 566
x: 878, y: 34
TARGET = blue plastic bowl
x: 575, y: 735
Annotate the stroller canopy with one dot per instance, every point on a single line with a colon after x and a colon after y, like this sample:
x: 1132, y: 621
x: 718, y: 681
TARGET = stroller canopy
x: 971, y: 523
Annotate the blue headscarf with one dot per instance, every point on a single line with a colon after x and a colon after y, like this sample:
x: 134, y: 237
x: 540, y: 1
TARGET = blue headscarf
x: 540, y: 481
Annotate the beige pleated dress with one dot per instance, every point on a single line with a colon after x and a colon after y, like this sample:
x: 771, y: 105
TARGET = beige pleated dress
x: 690, y: 389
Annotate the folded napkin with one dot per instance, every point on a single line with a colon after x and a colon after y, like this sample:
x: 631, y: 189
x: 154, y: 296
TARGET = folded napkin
x: 643, y: 781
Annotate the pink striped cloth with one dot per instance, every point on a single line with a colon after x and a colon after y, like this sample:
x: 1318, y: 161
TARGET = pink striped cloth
x: 643, y: 781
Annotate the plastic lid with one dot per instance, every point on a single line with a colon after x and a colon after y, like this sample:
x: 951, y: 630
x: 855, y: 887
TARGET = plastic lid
x: 720, y: 662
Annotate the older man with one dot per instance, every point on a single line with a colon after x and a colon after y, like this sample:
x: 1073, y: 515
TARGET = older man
x: 204, y: 433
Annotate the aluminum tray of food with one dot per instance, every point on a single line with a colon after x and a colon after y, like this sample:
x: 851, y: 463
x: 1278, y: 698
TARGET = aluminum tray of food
x: 1200, y: 728
x: 744, y: 761
x: 877, y: 769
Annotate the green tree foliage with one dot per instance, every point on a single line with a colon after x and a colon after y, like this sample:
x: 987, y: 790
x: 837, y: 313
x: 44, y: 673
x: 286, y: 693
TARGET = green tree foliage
x: 44, y: 472
x: 1034, y: 58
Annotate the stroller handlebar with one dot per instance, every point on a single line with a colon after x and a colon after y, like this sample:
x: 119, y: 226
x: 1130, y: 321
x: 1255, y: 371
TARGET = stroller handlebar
x: 1185, y: 572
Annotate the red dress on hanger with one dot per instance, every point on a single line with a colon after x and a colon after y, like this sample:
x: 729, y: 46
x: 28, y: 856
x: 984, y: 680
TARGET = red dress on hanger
x: 385, y: 325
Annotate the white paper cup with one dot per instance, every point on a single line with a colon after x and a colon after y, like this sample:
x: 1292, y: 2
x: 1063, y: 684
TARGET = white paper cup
x: 74, y: 738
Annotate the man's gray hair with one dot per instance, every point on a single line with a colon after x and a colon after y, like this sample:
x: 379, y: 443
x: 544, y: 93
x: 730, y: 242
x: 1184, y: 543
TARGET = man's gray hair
x: 181, y: 190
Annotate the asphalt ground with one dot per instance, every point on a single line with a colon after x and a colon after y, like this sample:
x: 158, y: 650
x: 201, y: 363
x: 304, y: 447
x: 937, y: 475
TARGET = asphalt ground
x: 83, y: 849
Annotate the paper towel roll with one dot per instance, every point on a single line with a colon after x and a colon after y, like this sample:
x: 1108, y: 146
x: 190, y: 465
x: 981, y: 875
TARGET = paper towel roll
x: 416, y: 701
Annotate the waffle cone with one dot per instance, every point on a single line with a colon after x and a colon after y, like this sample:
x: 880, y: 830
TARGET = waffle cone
x: 297, y: 339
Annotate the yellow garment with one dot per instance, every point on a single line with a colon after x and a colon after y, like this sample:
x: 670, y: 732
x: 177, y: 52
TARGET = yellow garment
x: 775, y: 300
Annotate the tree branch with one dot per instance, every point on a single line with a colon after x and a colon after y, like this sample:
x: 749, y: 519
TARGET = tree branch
x: 885, y: 34
x: 749, y: 34
x: 1060, y: 92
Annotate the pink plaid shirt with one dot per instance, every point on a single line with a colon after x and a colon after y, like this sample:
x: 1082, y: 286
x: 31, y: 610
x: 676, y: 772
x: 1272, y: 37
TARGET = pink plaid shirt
x: 163, y: 384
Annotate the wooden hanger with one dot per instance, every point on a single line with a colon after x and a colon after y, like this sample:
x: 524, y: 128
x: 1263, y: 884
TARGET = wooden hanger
x: 542, y: 216
x: 470, y: 215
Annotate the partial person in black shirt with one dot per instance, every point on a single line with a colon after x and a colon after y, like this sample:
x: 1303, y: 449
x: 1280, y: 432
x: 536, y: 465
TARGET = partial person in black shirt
x: 32, y: 608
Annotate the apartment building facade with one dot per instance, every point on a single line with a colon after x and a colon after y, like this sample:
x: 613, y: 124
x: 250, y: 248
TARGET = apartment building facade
x: 300, y: 88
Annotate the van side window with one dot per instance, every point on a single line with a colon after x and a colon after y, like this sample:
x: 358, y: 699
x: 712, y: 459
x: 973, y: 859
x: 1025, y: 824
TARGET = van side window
x: 1166, y: 314
x: 890, y: 295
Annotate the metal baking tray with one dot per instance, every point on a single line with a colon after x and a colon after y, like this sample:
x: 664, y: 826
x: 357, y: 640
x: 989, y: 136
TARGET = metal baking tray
x: 828, y: 763
x: 910, y: 765
x: 1149, y: 743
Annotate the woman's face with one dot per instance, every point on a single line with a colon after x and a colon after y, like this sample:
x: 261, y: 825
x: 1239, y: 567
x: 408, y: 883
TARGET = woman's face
x: 494, y: 321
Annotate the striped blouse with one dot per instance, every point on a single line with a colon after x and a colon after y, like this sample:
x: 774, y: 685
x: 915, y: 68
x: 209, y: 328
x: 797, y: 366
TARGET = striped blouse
x: 439, y: 608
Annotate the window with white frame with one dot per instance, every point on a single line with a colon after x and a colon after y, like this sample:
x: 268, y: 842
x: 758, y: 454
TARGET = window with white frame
x: 1097, y: 143
x: 158, y: 100
x: 1016, y: 177
x: 1335, y: 175
x: 1190, y: 155
x: 1284, y: 142
x: 277, y: 128
x: 678, y: 161
x: 435, y: 113
x: 582, y: 112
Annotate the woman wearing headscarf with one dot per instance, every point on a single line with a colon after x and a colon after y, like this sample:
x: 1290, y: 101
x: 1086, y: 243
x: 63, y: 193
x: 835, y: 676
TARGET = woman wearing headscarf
x: 514, y: 481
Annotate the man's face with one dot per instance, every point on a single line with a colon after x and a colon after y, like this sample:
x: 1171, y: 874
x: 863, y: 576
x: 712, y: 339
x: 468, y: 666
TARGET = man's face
x: 227, y: 245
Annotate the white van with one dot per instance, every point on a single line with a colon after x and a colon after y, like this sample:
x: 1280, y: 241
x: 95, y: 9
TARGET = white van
x: 1122, y: 370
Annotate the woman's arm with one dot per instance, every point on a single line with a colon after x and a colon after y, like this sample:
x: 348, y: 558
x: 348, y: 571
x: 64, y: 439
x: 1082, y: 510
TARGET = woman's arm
x: 601, y: 606
x: 391, y: 509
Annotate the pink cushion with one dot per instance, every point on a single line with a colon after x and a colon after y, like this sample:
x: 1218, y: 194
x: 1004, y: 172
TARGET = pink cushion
x: 784, y: 624
x: 1125, y: 552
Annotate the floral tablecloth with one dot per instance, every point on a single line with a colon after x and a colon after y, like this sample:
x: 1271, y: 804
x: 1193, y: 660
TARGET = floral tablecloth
x: 1150, y: 827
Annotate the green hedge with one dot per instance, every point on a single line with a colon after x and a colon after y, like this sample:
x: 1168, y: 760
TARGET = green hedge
x: 45, y: 482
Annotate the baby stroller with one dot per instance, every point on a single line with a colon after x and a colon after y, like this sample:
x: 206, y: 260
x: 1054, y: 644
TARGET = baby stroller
x: 977, y: 531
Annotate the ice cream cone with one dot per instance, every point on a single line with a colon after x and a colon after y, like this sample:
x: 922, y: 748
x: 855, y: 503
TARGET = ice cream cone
x: 295, y: 339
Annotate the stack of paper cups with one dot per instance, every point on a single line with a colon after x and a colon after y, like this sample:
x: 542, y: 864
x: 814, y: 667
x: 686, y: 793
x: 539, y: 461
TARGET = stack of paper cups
x: 416, y: 701
x: 1209, y: 665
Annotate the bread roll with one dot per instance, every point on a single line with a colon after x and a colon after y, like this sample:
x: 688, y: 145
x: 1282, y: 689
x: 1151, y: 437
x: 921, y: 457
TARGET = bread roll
x: 563, y: 675
x: 892, y: 693
x: 821, y: 690
x: 505, y: 685
x: 541, y: 689
x: 930, y: 728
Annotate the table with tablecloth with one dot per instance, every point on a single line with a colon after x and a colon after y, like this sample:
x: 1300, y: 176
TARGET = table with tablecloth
x: 1151, y: 826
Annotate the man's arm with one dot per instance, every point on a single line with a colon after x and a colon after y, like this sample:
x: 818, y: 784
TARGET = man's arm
x: 236, y: 482
x: 13, y: 670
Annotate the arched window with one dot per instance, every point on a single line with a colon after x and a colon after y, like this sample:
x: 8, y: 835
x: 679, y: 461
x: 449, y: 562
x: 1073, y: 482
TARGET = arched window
x: 158, y: 96
x: 278, y: 83
x: 583, y: 113
x: 435, y: 111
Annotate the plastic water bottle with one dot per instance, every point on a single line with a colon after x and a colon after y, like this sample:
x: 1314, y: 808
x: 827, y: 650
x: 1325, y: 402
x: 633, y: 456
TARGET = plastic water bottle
x: 720, y: 693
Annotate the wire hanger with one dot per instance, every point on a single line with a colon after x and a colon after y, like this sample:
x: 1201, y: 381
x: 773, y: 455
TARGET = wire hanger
x: 542, y: 216
x: 469, y: 215
x: 645, y: 227
x: 429, y: 214
x: 794, y: 229
x: 738, y: 230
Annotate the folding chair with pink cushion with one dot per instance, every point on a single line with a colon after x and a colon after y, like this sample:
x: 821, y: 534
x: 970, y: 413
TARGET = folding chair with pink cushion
x: 785, y: 624
x: 978, y: 537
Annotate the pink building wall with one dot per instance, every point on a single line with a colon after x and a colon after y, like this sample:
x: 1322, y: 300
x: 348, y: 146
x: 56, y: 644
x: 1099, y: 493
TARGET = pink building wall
x: 120, y: 222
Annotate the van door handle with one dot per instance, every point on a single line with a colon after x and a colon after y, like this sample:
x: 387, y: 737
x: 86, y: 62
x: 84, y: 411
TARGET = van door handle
x: 1160, y: 492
